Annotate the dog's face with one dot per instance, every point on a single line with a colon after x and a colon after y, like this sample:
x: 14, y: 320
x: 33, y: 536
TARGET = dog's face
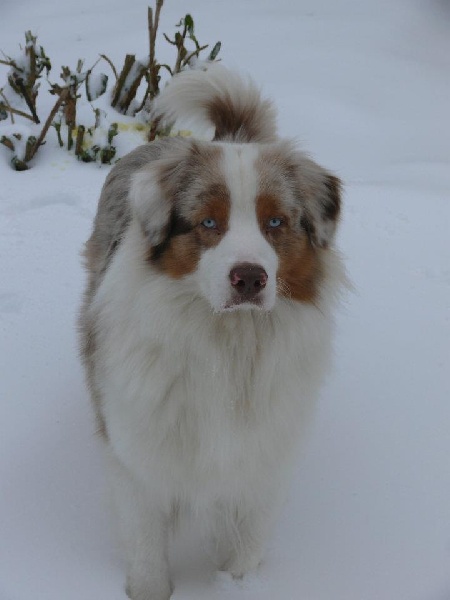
x: 246, y: 223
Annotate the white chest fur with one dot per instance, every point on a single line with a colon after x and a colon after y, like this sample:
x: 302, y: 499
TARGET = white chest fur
x: 199, y: 400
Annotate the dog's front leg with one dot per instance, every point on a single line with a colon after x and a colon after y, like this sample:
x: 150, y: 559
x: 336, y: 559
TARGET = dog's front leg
x: 148, y: 575
x: 143, y: 528
x: 243, y: 538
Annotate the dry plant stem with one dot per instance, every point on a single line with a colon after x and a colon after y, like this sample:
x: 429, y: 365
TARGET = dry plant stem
x: 8, y: 63
x: 153, y: 28
x: 29, y: 148
x: 181, y: 50
x: 180, y: 56
x: 111, y: 64
x: 153, y: 24
x: 7, y: 142
x: 192, y: 54
x: 62, y: 98
x: 33, y: 75
x: 14, y: 111
x: 130, y: 59
x: 123, y: 101
x: 19, y: 82
x: 153, y: 67
x: 183, y: 57
x: 70, y: 130
x: 153, y: 130
x: 79, y: 140
x: 6, y: 106
x: 124, y: 104
x: 70, y: 110
x: 57, y: 127
x: 27, y: 85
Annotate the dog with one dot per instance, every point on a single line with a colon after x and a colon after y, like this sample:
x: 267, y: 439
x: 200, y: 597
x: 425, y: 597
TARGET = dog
x: 207, y: 323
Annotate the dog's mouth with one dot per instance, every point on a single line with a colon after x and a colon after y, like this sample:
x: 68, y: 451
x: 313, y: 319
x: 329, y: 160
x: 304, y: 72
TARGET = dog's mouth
x: 244, y: 304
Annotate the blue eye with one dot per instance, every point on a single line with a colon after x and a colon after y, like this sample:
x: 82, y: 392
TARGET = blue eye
x: 274, y: 222
x: 209, y: 223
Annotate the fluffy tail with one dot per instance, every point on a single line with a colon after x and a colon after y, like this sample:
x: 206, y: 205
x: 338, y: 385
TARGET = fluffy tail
x: 221, y: 98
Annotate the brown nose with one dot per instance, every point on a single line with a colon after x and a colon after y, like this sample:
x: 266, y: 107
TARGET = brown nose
x: 248, y: 279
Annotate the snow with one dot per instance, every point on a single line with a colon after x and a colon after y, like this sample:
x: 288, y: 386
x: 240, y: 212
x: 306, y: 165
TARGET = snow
x: 364, y: 86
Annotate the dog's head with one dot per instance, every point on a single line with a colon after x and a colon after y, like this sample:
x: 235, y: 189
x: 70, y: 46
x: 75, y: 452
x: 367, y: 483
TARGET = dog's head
x: 245, y: 222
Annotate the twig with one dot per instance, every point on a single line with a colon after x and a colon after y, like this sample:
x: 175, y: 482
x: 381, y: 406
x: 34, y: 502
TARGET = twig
x: 57, y: 127
x: 30, y: 51
x: 181, y: 54
x: 6, y: 106
x: 169, y: 40
x: 153, y: 129
x: 62, y: 98
x: 10, y: 63
x: 7, y: 142
x: 111, y: 64
x: 153, y: 28
x: 131, y: 93
x: 79, y: 140
x: 19, y: 82
x: 15, y: 111
x: 130, y: 59
x: 29, y: 148
x: 153, y: 68
x: 70, y: 129
x: 194, y: 53
x: 94, y: 65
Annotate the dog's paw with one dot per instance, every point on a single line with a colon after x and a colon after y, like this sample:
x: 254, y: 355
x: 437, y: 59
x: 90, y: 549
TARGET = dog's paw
x: 239, y: 566
x: 137, y: 589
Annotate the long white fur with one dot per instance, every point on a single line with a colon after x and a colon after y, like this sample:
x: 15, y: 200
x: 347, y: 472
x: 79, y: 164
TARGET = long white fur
x: 185, y: 419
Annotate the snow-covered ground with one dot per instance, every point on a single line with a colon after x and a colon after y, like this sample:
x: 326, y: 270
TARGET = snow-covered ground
x: 365, y: 87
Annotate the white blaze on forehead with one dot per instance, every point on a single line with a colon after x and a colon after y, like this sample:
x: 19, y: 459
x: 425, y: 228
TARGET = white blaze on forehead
x: 243, y: 241
x: 244, y: 237
x: 241, y: 177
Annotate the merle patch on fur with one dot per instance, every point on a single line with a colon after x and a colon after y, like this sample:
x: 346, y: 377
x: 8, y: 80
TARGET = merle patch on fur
x: 177, y: 226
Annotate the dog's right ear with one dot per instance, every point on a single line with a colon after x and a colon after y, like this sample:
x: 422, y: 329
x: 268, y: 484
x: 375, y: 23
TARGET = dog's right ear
x: 158, y: 190
x: 155, y: 190
x: 150, y: 204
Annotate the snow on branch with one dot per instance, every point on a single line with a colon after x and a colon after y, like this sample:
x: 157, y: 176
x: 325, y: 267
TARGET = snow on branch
x: 132, y: 93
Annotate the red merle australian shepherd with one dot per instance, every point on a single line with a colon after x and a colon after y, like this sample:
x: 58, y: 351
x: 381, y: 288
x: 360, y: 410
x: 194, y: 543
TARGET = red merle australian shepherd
x: 206, y: 324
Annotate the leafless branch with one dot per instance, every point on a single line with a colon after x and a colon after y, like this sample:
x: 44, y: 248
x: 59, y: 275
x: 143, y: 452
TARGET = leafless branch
x: 62, y: 98
x: 111, y: 64
x: 19, y: 83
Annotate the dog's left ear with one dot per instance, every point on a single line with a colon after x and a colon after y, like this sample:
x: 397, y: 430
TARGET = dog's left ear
x: 319, y: 193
